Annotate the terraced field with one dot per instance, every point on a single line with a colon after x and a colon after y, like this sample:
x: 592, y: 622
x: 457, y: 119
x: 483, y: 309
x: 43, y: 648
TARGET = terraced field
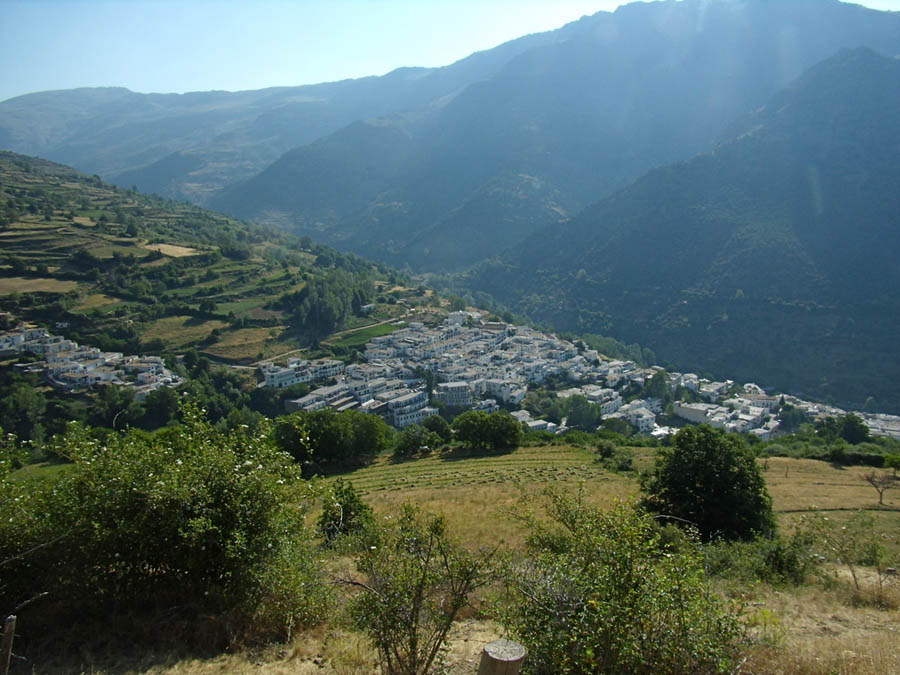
x: 141, y: 268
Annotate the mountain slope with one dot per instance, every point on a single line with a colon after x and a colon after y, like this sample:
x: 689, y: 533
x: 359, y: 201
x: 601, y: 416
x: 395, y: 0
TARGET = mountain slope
x: 134, y: 273
x: 191, y: 145
x: 559, y: 126
x: 771, y: 258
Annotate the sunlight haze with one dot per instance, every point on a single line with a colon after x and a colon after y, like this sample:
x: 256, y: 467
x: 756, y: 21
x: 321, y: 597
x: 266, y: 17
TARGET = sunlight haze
x: 168, y: 46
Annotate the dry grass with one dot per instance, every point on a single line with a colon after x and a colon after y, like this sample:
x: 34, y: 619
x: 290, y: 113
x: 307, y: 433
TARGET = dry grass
x: 10, y: 285
x: 171, y: 250
x: 246, y: 344
x: 96, y: 301
x: 800, y: 484
x: 818, y: 634
x: 479, y: 494
x: 181, y: 330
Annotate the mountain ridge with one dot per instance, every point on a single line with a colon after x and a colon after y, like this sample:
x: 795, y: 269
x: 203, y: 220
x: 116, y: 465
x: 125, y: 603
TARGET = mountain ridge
x: 560, y: 126
x: 773, y: 254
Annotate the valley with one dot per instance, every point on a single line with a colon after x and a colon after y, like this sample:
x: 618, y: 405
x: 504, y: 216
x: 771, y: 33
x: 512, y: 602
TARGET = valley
x: 585, y: 340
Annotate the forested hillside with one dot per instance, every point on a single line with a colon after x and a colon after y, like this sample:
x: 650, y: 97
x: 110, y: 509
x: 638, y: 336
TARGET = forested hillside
x: 772, y: 258
x: 560, y: 126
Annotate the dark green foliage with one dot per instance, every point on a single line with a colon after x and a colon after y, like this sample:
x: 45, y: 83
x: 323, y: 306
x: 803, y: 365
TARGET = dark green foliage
x: 22, y: 410
x: 495, y: 431
x: 776, y: 561
x: 326, y: 301
x: 415, y: 439
x: 582, y: 414
x: 598, y: 592
x: 853, y: 429
x: 343, y: 511
x: 416, y: 579
x: 711, y: 481
x: 191, y: 525
x: 326, y: 439
x: 439, y: 426
x: 791, y: 418
x: 771, y: 261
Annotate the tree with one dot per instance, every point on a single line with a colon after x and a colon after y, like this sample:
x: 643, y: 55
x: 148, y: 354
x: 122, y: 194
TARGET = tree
x: 892, y: 462
x: 710, y: 480
x: 22, y: 410
x: 438, y: 425
x: 599, y: 592
x: 416, y: 579
x: 853, y: 429
x: 478, y: 429
x: 201, y: 528
x: 413, y: 439
x: 882, y: 482
x: 582, y: 415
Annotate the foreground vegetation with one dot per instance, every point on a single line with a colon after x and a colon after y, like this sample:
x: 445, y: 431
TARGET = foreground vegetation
x: 189, y: 541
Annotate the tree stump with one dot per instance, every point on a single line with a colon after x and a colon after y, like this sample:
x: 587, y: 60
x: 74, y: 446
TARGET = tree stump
x: 501, y: 657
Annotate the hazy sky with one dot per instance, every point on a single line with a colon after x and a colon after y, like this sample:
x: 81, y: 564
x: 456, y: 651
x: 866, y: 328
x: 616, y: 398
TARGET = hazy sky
x: 198, y: 45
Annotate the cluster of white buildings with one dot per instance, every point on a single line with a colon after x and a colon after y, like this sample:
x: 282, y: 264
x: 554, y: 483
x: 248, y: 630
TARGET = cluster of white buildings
x: 476, y: 364
x: 70, y: 366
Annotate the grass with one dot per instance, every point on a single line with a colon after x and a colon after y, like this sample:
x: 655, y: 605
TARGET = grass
x: 815, y: 629
x: 361, y: 336
x: 171, y: 250
x: 246, y: 344
x: 182, y: 331
x: 9, y: 285
x: 491, y: 485
x: 96, y: 301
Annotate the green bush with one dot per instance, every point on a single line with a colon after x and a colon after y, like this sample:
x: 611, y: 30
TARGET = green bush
x: 495, y: 431
x: 598, y: 592
x: 343, y: 512
x: 710, y: 480
x: 776, y: 561
x: 416, y: 579
x: 199, y: 527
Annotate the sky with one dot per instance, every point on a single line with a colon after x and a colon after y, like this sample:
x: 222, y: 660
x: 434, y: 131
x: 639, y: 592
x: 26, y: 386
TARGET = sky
x: 200, y: 45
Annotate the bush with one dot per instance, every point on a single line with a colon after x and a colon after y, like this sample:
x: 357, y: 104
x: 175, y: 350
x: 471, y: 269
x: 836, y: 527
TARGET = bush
x: 776, y: 561
x: 600, y: 593
x: 191, y: 524
x: 326, y: 439
x: 416, y: 582
x: 478, y: 429
x: 413, y: 440
x: 711, y: 481
x: 343, y: 512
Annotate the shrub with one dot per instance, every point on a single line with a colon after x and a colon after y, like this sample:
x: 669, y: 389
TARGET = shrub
x: 776, y: 561
x: 478, y: 429
x: 599, y: 593
x: 416, y: 580
x: 413, y: 440
x: 191, y: 524
x: 710, y: 480
x: 343, y: 512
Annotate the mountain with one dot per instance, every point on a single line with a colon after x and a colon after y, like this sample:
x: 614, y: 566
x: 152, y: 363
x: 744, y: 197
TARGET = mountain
x: 559, y: 126
x: 772, y: 258
x: 189, y: 146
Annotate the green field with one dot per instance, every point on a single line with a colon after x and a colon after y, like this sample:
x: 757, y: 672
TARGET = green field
x: 357, y: 338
